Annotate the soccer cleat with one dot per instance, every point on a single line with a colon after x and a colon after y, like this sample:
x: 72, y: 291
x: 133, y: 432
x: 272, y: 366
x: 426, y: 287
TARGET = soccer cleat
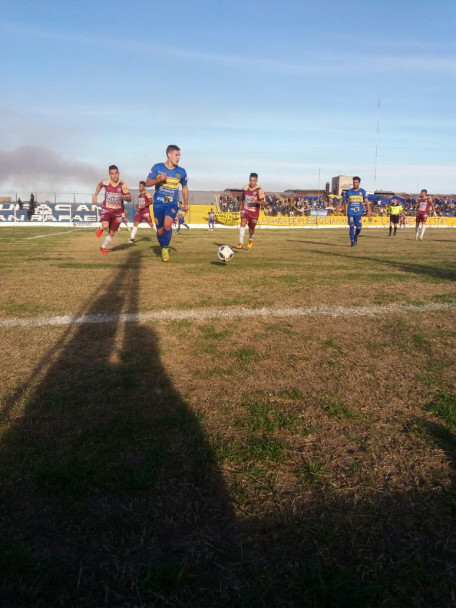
x: 131, y: 241
x: 250, y: 244
x: 99, y: 232
x: 416, y: 236
x: 352, y: 243
x: 104, y: 250
x: 421, y: 237
x: 240, y: 246
x: 165, y: 254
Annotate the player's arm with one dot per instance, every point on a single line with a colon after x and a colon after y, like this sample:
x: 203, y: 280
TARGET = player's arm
x: 431, y: 206
x: 158, y: 179
x: 97, y: 192
x: 185, y: 197
x: 261, y: 197
x: 125, y: 192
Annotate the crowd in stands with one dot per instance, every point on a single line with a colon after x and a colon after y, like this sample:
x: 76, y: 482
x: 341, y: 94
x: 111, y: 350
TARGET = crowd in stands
x: 295, y: 205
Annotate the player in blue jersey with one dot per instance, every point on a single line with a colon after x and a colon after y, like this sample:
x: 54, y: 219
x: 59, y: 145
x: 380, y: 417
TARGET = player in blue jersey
x: 211, y: 220
x: 167, y: 178
x: 181, y: 220
x: 354, y: 200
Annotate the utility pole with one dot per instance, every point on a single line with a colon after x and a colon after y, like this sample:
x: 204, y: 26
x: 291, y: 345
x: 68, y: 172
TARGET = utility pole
x: 376, y: 142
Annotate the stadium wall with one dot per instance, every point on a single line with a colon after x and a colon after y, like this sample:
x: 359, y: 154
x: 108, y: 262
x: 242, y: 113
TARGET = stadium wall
x: 74, y: 214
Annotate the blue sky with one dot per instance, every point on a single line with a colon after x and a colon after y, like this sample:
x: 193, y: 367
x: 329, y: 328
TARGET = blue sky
x: 289, y: 90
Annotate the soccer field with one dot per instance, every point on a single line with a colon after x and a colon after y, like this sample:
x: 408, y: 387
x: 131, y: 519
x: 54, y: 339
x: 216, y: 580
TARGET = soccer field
x: 275, y: 431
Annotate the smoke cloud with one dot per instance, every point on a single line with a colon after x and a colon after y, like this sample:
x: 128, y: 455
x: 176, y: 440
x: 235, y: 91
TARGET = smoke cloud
x: 36, y: 167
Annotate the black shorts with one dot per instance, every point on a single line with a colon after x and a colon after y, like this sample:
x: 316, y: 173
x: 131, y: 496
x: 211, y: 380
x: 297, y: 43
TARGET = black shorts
x: 394, y: 219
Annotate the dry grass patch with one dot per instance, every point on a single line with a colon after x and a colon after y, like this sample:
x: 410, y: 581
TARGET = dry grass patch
x: 236, y: 463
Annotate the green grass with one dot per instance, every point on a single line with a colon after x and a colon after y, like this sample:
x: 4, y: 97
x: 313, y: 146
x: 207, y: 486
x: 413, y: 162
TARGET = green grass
x: 444, y: 406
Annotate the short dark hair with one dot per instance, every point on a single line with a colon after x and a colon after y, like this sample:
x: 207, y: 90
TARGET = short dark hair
x: 357, y: 177
x: 424, y: 190
x: 253, y: 175
x: 143, y: 183
x: 171, y: 148
x: 112, y: 167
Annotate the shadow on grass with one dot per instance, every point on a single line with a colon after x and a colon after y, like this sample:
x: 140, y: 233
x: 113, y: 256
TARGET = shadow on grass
x: 110, y: 491
x: 112, y: 496
x: 418, y: 269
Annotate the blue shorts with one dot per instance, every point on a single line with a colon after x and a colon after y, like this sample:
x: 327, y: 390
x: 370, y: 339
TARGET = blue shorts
x: 355, y: 220
x: 163, y: 208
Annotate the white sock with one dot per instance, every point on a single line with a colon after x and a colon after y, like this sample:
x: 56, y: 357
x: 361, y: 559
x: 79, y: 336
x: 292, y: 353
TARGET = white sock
x: 133, y: 232
x: 250, y: 237
x: 423, y: 228
x: 107, y: 240
x: 241, y: 234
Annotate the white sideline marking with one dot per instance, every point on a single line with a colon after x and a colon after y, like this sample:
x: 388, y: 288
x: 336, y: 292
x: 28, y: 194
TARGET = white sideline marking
x: 41, y: 236
x: 228, y: 313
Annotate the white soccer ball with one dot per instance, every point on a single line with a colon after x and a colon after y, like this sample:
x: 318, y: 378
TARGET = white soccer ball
x: 225, y: 253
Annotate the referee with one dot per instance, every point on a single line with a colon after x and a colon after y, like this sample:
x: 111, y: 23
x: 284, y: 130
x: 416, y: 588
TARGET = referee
x: 394, y: 211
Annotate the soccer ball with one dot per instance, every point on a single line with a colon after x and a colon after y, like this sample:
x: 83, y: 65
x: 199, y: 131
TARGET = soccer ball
x: 225, y: 253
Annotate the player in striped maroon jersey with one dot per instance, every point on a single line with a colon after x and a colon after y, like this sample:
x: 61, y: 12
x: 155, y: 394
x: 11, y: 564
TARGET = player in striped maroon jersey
x: 423, y: 206
x: 143, y: 211
x: 252, y: 199
x: 116, y: 192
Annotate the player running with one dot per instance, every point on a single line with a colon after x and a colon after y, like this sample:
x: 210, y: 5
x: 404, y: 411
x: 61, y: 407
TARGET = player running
x: 211, y: 220
x: 181, y: 220
x: 394, y: 212
x: 252, y: 199
x: 167, y: 178
x: 354, y: 200
x: 142, y: 211
x: 116, y: 193
x: 422, y: 211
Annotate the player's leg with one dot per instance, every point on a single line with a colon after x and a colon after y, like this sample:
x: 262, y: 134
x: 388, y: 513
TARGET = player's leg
x: 358, y: 226
x: 391, y: 228
x: 423, y: 227
x: 351, y: 229
x: 105, y: 219
x: 114, y: 225
x: 396, y: 220
x: 159, y: 214
x: 134, y: 230
x: 417, y: 227
x: 242, y: 232
x: 252, y: 225
x: 170, y: 215
x: 166, y: 238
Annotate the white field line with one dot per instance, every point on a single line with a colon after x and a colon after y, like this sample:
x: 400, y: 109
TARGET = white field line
x: 228, y: 313
x: 42, y: 236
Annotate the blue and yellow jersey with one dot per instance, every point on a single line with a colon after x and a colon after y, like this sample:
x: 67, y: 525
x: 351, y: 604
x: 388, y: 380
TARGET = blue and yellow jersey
x: 168, y: 191
x: 354, y: 199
